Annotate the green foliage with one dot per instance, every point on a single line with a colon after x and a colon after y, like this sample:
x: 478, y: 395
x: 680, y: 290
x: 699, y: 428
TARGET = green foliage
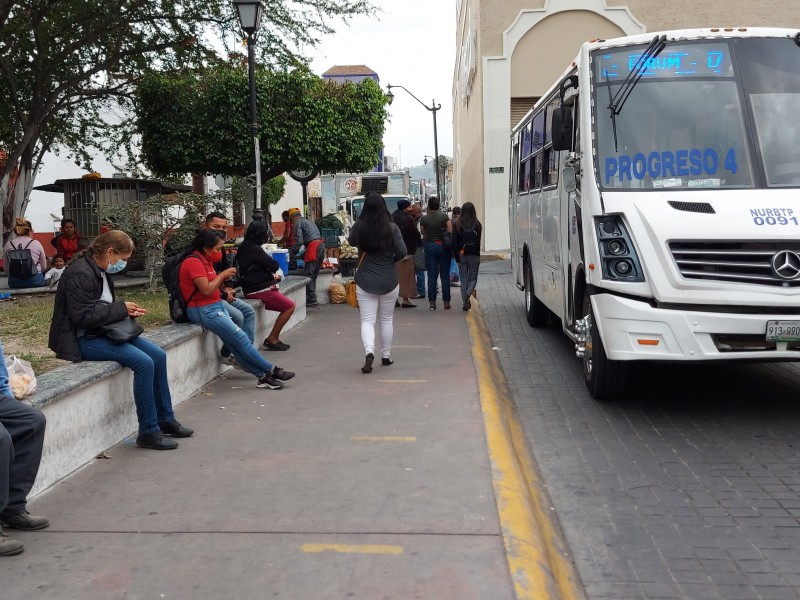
x: 200, y: 123
x: 70, y: 68
x: 272, y: 190
x: 171, y: 220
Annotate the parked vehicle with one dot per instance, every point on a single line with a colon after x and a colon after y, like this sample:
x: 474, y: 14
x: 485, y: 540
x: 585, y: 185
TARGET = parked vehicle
x: 654, y: 205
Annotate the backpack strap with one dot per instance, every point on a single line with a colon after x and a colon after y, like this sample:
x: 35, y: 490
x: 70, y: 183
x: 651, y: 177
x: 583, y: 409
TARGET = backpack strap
x: 192, y: 255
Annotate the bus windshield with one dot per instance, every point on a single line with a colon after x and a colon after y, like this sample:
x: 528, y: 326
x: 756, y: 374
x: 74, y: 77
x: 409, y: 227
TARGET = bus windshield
x: 705, y: 114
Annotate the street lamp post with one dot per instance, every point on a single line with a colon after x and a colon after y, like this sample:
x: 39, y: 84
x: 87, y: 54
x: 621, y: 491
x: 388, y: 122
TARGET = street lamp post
x: 250, y: 13
x: 432, y: 108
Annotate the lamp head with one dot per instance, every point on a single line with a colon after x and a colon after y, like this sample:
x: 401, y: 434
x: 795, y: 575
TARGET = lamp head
x: 389, y: 94
x: 250, y: 13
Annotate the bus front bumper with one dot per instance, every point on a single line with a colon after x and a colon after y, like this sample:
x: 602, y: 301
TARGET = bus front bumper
x: 634, y: 330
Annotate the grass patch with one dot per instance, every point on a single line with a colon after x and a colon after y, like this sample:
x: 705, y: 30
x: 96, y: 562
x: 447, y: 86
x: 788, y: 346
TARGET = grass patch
x: 25, y: 324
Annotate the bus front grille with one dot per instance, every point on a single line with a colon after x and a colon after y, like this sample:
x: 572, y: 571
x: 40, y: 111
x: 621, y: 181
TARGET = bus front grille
x: 739, y: 262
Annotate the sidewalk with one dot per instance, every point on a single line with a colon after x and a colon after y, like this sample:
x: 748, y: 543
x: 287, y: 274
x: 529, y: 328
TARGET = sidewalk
x: 341, y: 485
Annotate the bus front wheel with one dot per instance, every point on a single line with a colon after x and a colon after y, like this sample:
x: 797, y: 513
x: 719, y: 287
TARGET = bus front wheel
x: 536, y: 312
x: 605, y: 379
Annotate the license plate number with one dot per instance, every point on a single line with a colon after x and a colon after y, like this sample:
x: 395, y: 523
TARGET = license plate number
x: 783, y: 331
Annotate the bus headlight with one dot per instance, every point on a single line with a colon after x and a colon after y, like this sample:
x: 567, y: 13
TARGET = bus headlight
x: 617, y: 254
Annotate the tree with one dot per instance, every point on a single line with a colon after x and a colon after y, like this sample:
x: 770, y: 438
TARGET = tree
x: 162, y: 218
x: 69, y: 68
x: 200, y: 122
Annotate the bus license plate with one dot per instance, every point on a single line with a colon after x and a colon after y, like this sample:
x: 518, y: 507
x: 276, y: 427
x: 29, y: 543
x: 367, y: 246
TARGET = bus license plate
x: 783, y: 331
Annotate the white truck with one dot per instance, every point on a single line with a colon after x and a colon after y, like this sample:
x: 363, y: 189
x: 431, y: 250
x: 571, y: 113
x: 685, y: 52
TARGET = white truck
x: 339, y: 188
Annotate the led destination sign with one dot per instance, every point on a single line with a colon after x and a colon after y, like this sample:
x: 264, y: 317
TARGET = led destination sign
x: 688, y: 60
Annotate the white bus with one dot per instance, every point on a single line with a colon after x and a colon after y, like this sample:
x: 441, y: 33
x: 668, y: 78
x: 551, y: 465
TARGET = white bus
x: 654, y: 204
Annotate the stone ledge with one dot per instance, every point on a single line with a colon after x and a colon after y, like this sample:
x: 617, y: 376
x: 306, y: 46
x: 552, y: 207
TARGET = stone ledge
x: 89, y: 405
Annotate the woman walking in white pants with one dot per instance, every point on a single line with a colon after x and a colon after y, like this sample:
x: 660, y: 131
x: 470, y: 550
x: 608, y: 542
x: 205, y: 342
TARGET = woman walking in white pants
x: 380, y: 244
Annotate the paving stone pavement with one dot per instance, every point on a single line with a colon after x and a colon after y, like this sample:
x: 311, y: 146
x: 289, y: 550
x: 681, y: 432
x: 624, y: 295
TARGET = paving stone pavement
x: 689, y: 487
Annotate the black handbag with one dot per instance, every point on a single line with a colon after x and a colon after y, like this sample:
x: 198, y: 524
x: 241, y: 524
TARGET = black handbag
x: 118, y: 332
x: 419, y: 259
x: 447, y: 238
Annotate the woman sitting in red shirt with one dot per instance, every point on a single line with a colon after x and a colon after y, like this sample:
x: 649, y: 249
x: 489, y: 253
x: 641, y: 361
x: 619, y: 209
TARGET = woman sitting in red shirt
x: 199, y: 284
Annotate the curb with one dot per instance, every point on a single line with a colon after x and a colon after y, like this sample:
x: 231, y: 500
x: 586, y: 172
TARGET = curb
x: 536, y: 551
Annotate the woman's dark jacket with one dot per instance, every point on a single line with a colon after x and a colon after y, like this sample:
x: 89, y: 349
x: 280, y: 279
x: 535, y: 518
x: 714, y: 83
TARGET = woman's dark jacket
x: 256, y: 267
x: 458, y: 240
x: 76, y: 307
x: 411, y: 235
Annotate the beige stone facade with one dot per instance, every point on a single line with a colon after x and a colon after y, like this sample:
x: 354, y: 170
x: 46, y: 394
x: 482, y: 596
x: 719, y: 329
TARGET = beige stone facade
x: 509, y: 52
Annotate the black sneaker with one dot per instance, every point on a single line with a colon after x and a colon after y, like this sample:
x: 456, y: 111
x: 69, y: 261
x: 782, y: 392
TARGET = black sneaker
x: 282, y: 375
x: 155, y: 441
x: 175, y: 429
x: 269, y: 382
x: 280, y: 346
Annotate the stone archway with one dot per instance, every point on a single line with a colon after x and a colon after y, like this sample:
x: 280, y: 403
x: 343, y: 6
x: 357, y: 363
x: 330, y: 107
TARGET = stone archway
x: 559, y: 28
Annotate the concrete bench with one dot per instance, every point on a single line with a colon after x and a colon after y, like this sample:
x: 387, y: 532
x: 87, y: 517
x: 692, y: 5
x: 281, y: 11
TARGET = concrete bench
x: 89, y: 405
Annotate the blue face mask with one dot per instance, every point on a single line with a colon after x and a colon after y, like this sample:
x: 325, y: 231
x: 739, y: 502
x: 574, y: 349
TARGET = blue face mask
x: 117, y: 266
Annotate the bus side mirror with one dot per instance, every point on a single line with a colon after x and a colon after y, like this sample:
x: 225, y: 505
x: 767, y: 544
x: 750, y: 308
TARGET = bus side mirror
x: 568, y: 178
x: 561, y: 126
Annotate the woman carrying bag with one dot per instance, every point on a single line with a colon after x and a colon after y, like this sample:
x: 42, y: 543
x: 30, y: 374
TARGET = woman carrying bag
x: 84, y: 312
x: 467, y: 251
x: 380, y: 244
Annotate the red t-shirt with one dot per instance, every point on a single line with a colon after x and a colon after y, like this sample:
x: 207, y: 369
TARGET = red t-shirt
x: 192, y: 268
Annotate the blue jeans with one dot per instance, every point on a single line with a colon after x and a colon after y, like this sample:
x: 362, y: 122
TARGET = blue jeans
x: 437, y: 261
x: 31, y: 281
x: 215, y: 318
x: 5, y: 388
x: 420, y: 283
x: 150, y: 385
x: 244, y: 316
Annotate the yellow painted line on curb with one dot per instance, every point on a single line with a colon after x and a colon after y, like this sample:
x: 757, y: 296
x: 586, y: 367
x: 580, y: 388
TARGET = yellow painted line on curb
x: 535, y: 548
x: 352, y: 548
x: 381, y: 438
x: 402, y: 381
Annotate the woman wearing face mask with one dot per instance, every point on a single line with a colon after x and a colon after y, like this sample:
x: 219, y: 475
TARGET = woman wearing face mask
x: 85, y: 300
x: 200, y: 285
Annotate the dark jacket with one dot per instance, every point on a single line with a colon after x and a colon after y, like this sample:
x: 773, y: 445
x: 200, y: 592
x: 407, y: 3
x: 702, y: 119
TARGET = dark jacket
x: 405, y: 223
x: 76, y: 307
x: 256, y: 267
x: 458, y: 241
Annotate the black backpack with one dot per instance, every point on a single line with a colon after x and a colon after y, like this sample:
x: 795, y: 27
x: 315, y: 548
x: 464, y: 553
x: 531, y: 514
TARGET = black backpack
x: 470, y: 240
x: 20, y: 261
x: 170, y: 277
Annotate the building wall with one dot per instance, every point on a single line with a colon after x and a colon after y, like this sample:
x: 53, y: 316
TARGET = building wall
x: 512, y: 36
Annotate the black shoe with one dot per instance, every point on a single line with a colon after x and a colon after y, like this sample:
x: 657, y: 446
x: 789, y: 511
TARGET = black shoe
x: 24, y: 522
x: 367, y: 368
x: 269, y: 382
x: 279, y: 346
x: 386, y: 362
x: 9, y: 546
x: 281, y: 374
x: 155, y: 441
x: 309, y: 303
x: 175, y: 429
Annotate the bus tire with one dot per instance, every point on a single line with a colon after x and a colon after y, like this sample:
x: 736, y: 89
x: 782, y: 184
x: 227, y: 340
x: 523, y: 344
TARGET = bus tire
x: 605, y: 379
x: 536, y: 312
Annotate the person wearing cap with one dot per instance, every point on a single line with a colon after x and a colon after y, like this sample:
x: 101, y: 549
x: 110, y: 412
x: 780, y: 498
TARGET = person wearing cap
x: 307, y: 234
x: 411, y: 238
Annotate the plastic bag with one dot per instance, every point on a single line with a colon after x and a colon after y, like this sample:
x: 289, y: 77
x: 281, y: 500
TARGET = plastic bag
x: 21, y: 377
x: 336, y: 290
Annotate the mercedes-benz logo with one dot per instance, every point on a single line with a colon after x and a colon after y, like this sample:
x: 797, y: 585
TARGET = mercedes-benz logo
x: 786, y: 264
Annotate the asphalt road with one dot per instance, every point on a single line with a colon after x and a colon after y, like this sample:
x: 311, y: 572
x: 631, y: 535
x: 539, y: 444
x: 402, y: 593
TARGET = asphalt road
x: 689, y: 487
